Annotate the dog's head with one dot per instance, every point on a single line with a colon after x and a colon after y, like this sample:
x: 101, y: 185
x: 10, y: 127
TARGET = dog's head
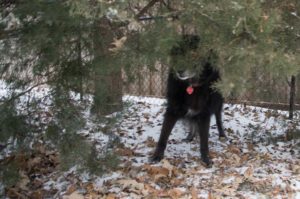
x: 189, y: 43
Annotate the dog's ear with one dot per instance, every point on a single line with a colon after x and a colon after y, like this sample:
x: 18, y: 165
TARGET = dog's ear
x: 190, y: 41
x: 177, y: 50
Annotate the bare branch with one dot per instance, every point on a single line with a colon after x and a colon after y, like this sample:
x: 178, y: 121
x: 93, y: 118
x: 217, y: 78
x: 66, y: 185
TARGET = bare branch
x: 24, y: 92
x: 146, y: 8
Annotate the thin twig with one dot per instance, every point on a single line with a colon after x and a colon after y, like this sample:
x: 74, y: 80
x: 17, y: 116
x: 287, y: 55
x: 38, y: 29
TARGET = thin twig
x: 23, y: 93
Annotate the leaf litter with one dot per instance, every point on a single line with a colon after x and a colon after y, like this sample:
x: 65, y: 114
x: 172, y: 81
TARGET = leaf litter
x: 256, y: 161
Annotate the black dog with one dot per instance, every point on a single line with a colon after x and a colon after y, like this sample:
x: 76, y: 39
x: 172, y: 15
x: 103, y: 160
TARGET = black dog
x: 191, y: 96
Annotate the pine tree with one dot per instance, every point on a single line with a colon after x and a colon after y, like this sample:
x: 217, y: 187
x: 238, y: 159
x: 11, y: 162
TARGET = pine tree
x: 58, y: 44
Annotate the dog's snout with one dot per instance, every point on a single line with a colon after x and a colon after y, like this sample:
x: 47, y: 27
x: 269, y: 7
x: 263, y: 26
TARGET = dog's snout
x: 185, y: 74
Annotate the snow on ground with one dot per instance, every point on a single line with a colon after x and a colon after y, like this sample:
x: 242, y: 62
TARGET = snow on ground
x: 257, y: 160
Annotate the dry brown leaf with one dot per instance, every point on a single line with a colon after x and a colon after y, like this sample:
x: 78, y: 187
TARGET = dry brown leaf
x: 54, y: 158
x: 210, y: 195
x: 235, y: 159
x: 34, y: 162
x: 118, y: 44
x: 74, y: 195
x: 245, y: 158
x: 152, y: 190
x: 111, y: 196
x: 36, y: 195
x: 177, y: 181
x: 24, y: 181
x: 167, y: 165
x: 71, y: 189
x: 276, y: 191
x: 250, y: 146
x: 234, y: 149
x: 13, y: 193
x: 155, y: 170
x: 194, y: 193
x: 226, y: 191
x: 125, y: 152
x: 175, y: 193
x: 89, y: 187
x: 128, y: 183
x: 213, y: 154
x: 248, y: 173
x: 160, y: 177
x: 295, y: 169
x: 150, y: 142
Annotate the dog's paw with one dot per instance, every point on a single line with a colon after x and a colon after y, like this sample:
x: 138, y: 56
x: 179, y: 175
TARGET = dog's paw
x: 187, y: 139
x: 207, y: 162
x: 156, y: 158
x: 222, y: 138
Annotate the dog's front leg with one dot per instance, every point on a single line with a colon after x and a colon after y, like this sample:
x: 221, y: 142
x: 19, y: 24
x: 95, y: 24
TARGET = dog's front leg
x: 204, y: 133
x: 218, y: 115
x: 168, y: 124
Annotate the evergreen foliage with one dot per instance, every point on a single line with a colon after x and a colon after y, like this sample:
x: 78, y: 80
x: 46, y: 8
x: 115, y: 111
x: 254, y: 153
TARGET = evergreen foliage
x: 54, y: 43
x: 71, y: 45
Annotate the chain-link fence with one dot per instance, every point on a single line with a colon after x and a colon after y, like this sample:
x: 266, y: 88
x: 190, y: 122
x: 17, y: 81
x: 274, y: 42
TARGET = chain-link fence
x: 265, y: 92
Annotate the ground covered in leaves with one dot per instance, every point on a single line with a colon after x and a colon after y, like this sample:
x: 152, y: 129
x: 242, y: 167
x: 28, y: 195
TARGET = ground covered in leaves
x: 260, y: 159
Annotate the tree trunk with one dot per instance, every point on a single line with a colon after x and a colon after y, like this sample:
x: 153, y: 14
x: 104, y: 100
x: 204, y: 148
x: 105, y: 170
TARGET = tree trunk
x: 107, y: 78
x: 292, y: 96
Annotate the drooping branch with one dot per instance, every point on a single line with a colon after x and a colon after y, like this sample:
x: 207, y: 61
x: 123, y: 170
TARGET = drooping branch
x: 146, y: 8
x: 24, y: 92
x: 172, y: 15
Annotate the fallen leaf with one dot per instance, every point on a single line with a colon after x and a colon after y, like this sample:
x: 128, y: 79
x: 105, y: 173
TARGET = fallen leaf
x: 125, y: 152
x: 295, y: 169
x: 177, y: 181
x: 248, y: 173
x: 118, y: 44
x: 235, y: 159
x: 194, y: 193
x: 155, y: 170
x: 13, y: 193
x: 226, y: 191
x: 167, y: 165
x: 175, y: 193
x: 234, y: 149
x: 24, y: 181
x: 74, y: 195
x: 34, y: 162
x: 111, y: 196
x: 36, y: 195
x: 150, y: 142
x: 210, y: 195
x: 71, y: 189
x: 128, y: 183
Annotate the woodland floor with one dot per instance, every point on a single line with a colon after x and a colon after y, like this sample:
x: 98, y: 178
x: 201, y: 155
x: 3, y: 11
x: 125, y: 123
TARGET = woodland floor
x: 259, y: 159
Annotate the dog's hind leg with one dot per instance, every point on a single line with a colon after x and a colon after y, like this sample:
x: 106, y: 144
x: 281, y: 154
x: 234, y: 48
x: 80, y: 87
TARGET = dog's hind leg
x: 168, y: 124
x: 203, y: 123
x: 219, y: 123
x: 192, y: 131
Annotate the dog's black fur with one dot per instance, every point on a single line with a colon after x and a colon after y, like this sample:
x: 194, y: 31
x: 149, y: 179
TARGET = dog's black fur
x: 196, y: 107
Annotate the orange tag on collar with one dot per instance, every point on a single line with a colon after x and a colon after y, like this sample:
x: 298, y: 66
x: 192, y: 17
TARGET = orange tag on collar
x: 190, y: 90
